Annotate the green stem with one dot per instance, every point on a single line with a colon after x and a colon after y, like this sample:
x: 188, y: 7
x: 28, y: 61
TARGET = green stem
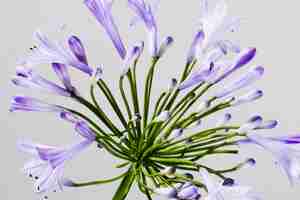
x: 98, y: 182
x: 147, y: 92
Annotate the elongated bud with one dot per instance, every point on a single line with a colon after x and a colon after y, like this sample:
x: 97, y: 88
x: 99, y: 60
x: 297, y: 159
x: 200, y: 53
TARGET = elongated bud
x: 203, y: 106
x: 85, y: 131
x: 268, y: 125
x: 69, y: 117
x: 224, y: 120
x: 162, y: 117
x: 250, y: 77
x: 77, y: 48
x: 251, y: 124
x: 133, y: 54
x: 98, y: 73
x: 242, y: 59
x: 173, y: 84
x: 168, y: 171
x: 198, y: 39
x: 168, y: 192
x: 67, y: 183
x: 228, y: 182
x: 175, y: 134
x: 247, y: 98
x: 188, y: 192
x: 166, y: 44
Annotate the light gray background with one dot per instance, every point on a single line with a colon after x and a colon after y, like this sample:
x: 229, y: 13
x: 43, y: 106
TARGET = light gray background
x: 271, y: 26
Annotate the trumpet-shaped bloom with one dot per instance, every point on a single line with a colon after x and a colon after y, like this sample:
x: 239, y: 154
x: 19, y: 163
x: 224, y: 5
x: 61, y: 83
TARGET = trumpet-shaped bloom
x: 22, y: 103
x: 285, y: 151
x: 101, y: 9
x: 29, y: 78
x: 219, y: 191
x: 48, y: 162
x: 243, y: 81
x: 145, y: 12
x: 47, y: 52
x: 215, y: 22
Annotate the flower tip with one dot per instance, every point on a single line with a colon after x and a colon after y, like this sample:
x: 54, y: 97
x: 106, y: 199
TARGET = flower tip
x: 251, y: 162
x: 228, y: 182
x: 68, y: 183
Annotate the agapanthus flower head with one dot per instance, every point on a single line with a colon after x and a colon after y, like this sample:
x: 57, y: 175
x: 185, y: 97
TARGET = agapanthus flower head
x: 48, y: 51
x: 160, y: 141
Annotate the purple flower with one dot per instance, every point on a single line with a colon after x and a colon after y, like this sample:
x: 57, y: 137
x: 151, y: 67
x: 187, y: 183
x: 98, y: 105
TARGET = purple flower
x: 200, y: 76
x: 134, y: 53
x: 48, y: 52
x: 224, y: 120
x: 101, y: 9
x: 165, y: 45
x: 29, y: 78
x: 248, y: 97
x: 77, y: 48
x: 144, y: 11
x: 285, y: 151
x: 48, y: 162
x: 240, y: 60
x: 198, y: 39
x: 218, y: 191
x: 244, y: 81
x: 253, y: 123
x: 215, y: 23
x: 189, y: 192
x: 22, y: 103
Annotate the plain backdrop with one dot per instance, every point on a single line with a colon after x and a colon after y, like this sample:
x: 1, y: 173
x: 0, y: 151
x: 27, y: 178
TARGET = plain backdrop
x: 271, y: 26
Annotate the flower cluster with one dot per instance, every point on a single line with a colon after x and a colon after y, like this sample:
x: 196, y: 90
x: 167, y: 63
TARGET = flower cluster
x: 159, y: 149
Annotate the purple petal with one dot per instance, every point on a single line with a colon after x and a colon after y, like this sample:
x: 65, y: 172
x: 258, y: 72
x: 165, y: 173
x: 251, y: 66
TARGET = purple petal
x: 244, y: 81
x: 77, y: 48
x: 166, y: 44
x: 28, y: 78
x: 248, y: 97
x: 188, y: 193
x: 198, y: 39
x: 69, y: 117
x: 21, y: 103
x: 268, y: 125
x: 242, y: 59
x: 101, y: 9
x: 144, y: 12
x: 85, y: 131
x: 63, y: 74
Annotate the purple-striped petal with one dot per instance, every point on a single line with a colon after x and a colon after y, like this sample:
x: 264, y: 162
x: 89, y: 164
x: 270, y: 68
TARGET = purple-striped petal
x: 247, y: 79
x: 134, y: 53
x: 77, y: 48
x: 28, y: 78
x: 144, y: 11
x: 268, y: 125
x: 166, y: 44
x: 48, y: 52
x: 22, y: 103
x: 242, y: 59
x: 63, y: 75
x: 248, y: 97
x: 85, y: 131
x: 198, y: 39
x: 101, y: 9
